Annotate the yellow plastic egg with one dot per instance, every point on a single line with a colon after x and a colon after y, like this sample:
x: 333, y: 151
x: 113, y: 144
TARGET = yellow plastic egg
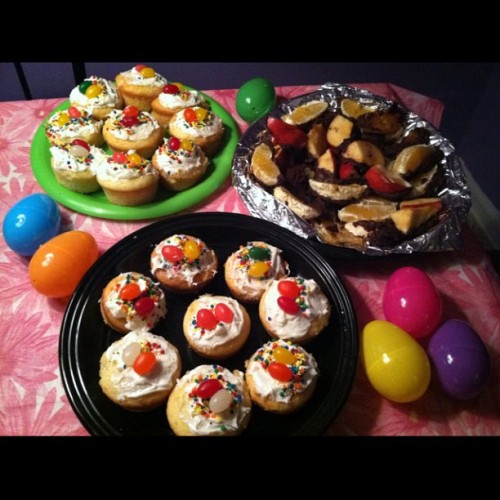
x: 395, y: 363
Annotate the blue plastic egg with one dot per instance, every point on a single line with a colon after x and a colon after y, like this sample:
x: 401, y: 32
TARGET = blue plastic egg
x: 30, y: 223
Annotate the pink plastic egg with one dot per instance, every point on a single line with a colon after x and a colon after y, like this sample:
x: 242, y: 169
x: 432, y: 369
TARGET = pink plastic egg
x: 412, y: 302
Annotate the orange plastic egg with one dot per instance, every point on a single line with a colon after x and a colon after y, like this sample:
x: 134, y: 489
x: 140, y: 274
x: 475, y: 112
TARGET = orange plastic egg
x: 57, y: 266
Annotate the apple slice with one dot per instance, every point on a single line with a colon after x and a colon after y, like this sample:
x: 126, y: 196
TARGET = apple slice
x: 381, y: 181
x: 285, y: 134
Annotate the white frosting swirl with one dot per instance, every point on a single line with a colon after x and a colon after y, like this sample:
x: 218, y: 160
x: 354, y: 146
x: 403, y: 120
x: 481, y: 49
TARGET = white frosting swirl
x: 135, y: 77
x: 130, y: 384
x: 238, y: 266
x: 200, y: 420
x: 223, y: 332
x: 108, y: 98
x: 147, y: 125
x: 112, y: 170
x: 180, y: 160
x: 305, y: 370
x: 295, y: 326
x: 209, y: 126
x: 64, y: 160
x: 120, y: 308
x: 186, y: 269
x: 183, y: 99
x: 81, y: 127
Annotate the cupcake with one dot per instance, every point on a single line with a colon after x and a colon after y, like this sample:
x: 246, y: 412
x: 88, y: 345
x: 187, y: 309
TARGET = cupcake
x: 75, y: 165
x: 209, y: 401
x: 183, y: 263
x: 139, y: 371
x: 173, y: 98
x: 132, y: 129
x: 64, y: 126
x: 97, y: 96
x: 294, y: 309
x: 139, y: 86
x: 215, y: 326
x: 181, y: 164
x: 200, y: 125
x: 249, y: 270
x: 131, y: 301
x: 281, y: 376
x: 128, y: 179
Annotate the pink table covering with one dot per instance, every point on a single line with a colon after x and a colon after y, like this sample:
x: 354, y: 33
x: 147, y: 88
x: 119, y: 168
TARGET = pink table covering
x: 32, y: 398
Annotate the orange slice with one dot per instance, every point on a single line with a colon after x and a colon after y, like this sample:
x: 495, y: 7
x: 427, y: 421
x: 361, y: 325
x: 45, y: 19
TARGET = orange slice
x: 305, y: 113
x: 353, y: 109
x: 263, y: 167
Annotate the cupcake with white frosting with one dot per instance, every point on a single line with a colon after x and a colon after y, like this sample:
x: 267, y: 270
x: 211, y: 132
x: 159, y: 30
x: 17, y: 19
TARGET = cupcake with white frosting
x: 97, y: 96
x: 140, y: 85
x: 281, y: 376
x: 75, y: 165
x: 131, y: 301
x: 73, y: 123
x: 250, y: 270
x: 139, y: 371
x: 180, y: 163
x: 183, y: 263
x: 209, y: 401
x: 173, y: 98
x: 131, y: 128
x: 294, y: 308
x: 128, y: 179
x: 215, y: 326
x: 199, y: 125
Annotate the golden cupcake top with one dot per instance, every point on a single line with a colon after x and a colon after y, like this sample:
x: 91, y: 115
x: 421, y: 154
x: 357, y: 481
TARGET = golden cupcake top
x: 94, y: 92
x: 131, y: 124
x: 143, y: 76
x: 175, y: 95
x: 179, y: 154
x: 71, y: 123
x: 198, y: 121
x: 128, y: 165
x: 77, y: 156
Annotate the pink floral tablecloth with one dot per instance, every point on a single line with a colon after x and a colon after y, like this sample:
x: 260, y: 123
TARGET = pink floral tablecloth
x: 32, y: 398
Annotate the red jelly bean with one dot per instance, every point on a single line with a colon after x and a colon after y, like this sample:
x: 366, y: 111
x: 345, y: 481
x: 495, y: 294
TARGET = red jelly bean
x: 174, y: 144
x: 74, y: 112
x: 130, y: 121
x: 288, y: 305
x: 140, y: 67
x: 289, y: 288
x: 190, y: 115
x: 223, y: 313
x: 81, y: 143
x: 144, y: 305
x: 119, y: 157
x: 144, y: 363
x: 170, y: 89
x: 172, y: 253
x: 206, y: 319
x: 131, y: 111
x: 280, y: 371
x: 208, y: 388
x: 130, y: 291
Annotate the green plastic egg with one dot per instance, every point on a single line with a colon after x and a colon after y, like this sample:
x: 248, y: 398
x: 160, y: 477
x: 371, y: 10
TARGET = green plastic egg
x: 255, y: 99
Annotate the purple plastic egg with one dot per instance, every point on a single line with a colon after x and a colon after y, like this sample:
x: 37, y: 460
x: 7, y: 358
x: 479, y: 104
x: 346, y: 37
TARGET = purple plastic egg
x: 460, y: 359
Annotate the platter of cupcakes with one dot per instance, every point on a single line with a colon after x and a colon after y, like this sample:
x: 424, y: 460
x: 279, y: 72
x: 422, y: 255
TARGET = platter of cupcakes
x: 207, y: 325
x: 140, y: 148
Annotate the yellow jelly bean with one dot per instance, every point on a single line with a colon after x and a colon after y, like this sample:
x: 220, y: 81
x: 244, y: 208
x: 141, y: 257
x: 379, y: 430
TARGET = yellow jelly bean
x: 63, y: 119
x: 93, y: 91
x: 283, y: 355
x: 134, y: 158
x: 191, y: 250
x: 201, y: 114
x: 258, y: 269
x: 186, y: 144
x: 148, y: 72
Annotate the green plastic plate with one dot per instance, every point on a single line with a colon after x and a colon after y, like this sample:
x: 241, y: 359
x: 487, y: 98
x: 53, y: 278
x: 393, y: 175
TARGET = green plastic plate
x: 165, y: 203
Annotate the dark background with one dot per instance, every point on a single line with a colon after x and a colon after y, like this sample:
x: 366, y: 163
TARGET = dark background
x: 470, y: 92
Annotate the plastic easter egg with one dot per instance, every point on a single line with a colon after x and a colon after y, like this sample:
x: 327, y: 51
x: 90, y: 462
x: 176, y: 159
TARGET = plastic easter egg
x: 31, y: 222
x: 395, y: 364
x: 460, y: 359
x: 412, y: 302
x: 57, y: 266
x: 255, y: 99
